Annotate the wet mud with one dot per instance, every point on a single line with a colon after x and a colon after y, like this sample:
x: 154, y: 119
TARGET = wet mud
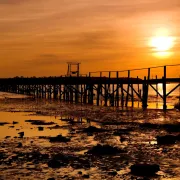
x: 64, y: 141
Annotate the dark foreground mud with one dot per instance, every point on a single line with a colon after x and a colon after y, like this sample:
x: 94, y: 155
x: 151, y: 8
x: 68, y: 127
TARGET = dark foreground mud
x: 103, y: 144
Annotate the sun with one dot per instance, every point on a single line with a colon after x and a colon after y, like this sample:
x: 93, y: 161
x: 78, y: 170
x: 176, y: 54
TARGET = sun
x: 162, y: 43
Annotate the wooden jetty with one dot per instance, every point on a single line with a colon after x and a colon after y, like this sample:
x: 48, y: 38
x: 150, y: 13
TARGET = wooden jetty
x: 110, y: 90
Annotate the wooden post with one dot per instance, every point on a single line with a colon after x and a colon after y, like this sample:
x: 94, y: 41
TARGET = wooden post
x: 132, y: 95
x: 147, y: 84
x: 77, y: 93
x: 122, y: 96
x: 90, y: 94
x: 117, y: 92
x: 81, y: 93
x: 85, y: 94
x: 64, y: 92
x: 55, y: 91
x: 164, y: 90
x: 60, y: 92
x: 138, y: 91
x: 127, y: 96
x: 144, y: 100
x: 98, y: 90
x: 156, y: 87
x: 71, y: 93
x: 109, y: 95
x: 105, y: 95
x: 113, y: 94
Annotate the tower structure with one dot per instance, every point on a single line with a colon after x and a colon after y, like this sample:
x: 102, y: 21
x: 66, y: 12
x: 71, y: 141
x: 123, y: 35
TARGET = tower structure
x: 73, y: 69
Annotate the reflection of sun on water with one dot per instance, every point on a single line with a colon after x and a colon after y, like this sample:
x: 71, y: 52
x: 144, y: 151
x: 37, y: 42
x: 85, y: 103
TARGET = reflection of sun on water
x: 162, y: 43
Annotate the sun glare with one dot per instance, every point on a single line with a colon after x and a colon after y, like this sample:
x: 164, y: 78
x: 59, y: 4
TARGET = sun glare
x: 161, y: 44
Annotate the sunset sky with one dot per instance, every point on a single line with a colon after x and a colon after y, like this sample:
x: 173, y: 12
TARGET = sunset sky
x: 38, y: 37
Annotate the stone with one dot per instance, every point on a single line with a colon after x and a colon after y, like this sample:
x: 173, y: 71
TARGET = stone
x: 54, y: 164
x: 59, y: 138
x: 104, y: 150
x: 85, y: 176
x: 112, y: 173
x: 21, y: 134
x: 19, y: 145
x: 144, y: 169
x: 40, y: 128
x: 92, y: 129
x: 165, y: 140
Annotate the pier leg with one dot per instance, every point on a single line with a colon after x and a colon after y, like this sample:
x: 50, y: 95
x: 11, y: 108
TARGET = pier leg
x: 127, y: 96
x: 117, y: 91
x: 164, y: 90
x: 145, y: 92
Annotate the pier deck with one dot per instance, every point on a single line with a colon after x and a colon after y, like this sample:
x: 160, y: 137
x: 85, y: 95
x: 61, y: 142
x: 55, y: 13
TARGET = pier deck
x: 113, y: 90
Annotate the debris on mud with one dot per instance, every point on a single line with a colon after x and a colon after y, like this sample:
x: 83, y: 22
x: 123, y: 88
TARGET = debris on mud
x: 55, y: 127
x: 3, y: 123
x: 104, y: 150
x: 2, y: 155
x: 14, y: 122
x: 166, y: 127
x: 40, y: 128
x: 19, y: 145
x: 92, y: 129
x: 144, y: 169
x: 59, y: 138
x: 119, y: 132
x: 58, y: 160
x: 167, y: 139
x: 39, y: 122
x: 21, y: 134
x: 112, y: 173
x: 86, y: 176
x: 11, y: 126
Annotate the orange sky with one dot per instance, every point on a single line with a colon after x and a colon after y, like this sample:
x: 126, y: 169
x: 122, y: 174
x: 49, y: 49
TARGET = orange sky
x: 38, y: 37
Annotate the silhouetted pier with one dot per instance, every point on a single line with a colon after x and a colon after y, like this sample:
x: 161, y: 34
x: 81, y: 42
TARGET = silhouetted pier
x: 111, y: 89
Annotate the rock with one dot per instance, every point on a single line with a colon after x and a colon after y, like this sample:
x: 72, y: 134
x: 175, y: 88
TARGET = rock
x: 177, y: 105
x: 54, y: 163
x: 112, y: 173
x: 19, y: 145
x: 14, y: 122
x: 11, y: 126
x: 2, y: 155
x: 85, y: 176
x: 55, y: 127
x: 7, y: 137
x: 149, y: 126
x: 80, y: 172
x: 51, y: 179
x: 40, y: 128
x: 92, y: 129
x: 167, y: 139
x: 59, y: 138
x: 3, y: 123
x: 172, y: 127
x: 39, y: 122
x: 144, y: 169
x: 119, y: 132
x: 104, y: 150
x: 21, y: 134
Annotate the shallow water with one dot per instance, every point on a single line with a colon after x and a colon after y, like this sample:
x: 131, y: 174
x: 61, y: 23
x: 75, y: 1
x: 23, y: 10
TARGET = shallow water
x: 137, y: 139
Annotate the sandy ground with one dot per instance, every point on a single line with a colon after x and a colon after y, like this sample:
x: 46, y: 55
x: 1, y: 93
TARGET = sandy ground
x: 29, y: 148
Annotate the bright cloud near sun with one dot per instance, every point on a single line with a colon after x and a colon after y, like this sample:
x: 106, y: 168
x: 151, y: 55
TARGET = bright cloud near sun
x: 162, y: 44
